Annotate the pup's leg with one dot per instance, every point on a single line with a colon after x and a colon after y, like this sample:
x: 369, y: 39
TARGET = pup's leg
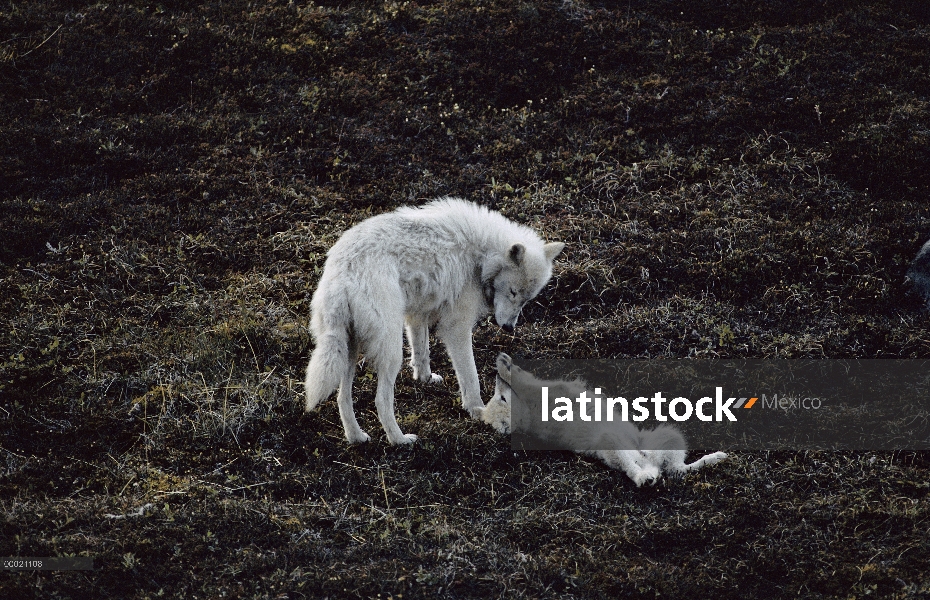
x: 457, y: 338
x: 354, y: 433
x: 631, y: 463
x: 418, y: 336
x: 681, y: 468
x: 504, y: 367
x: 497, y: 412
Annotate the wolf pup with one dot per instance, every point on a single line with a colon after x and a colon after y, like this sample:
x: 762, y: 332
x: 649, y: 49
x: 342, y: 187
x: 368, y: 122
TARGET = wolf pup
x: 647, y: 454
x: 446, y: 264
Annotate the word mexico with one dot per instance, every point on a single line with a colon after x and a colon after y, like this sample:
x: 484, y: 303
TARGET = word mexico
x: 679, y: 409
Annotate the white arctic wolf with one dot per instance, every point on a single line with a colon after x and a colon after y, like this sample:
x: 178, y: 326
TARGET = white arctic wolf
x: 447, y: 264
x: 646, y: 454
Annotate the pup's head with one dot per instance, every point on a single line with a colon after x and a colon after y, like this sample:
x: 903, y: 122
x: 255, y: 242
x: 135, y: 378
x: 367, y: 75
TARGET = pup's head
x: 512, y: 280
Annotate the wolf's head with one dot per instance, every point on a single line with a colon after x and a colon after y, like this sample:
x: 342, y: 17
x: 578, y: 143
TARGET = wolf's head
x: 511, y: 281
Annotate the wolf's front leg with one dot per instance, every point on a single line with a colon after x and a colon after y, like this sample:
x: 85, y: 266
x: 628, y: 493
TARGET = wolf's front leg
x: 457, y: 339
x: 418, y: 337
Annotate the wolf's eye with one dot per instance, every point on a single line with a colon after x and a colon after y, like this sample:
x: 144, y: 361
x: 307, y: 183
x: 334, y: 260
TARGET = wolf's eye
x: 513, y: 293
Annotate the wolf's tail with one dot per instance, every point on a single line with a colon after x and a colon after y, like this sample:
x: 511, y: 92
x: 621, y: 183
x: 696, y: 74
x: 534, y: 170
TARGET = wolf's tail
x: 330, y: 360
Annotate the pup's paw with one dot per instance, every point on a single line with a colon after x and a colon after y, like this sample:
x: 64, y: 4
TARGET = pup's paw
x: 648, y: 475
x: 504, y: 364
x: 434, y: 378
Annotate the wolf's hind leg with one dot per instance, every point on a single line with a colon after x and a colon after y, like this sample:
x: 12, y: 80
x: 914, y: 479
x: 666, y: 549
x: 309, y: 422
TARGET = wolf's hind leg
x: 387, y: 357
x: 354, y: 433
x: 384, y: 402
x: 380, y: 331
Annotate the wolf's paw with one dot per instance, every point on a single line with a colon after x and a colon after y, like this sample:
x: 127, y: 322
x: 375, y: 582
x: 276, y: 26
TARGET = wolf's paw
x: 407, y: 438
x: 431, y: 378
x: 649, y: 475
x: 359, y: 437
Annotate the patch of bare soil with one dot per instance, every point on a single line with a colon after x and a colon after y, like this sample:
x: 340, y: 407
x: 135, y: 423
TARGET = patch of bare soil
x: 736, y: 179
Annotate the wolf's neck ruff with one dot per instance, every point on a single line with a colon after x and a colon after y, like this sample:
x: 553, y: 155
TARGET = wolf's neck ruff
x: 487, y: 288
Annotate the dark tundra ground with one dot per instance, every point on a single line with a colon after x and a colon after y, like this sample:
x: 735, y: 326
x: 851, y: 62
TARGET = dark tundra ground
x: 742, y: 179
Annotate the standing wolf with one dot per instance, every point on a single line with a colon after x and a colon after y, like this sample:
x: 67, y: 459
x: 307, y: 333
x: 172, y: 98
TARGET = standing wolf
x: 447, y: 264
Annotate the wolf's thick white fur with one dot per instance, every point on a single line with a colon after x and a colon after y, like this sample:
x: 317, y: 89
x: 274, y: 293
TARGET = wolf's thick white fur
x: 446, y: 264
x: 647, y: 454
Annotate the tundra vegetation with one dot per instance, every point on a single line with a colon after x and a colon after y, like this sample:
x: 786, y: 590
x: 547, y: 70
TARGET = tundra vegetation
x: 740, y: 179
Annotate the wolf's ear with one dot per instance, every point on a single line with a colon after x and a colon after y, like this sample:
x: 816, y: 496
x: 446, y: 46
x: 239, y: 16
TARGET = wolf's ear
x: 516, y: 254
x: 491, y: 267
x: 552, y: 249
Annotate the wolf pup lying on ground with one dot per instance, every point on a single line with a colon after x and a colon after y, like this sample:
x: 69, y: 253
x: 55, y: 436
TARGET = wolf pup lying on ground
x: 448, y: 264
x: 647, y: 454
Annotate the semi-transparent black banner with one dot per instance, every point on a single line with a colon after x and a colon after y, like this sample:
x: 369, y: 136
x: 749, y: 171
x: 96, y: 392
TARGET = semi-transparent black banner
x: 722, y: 404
